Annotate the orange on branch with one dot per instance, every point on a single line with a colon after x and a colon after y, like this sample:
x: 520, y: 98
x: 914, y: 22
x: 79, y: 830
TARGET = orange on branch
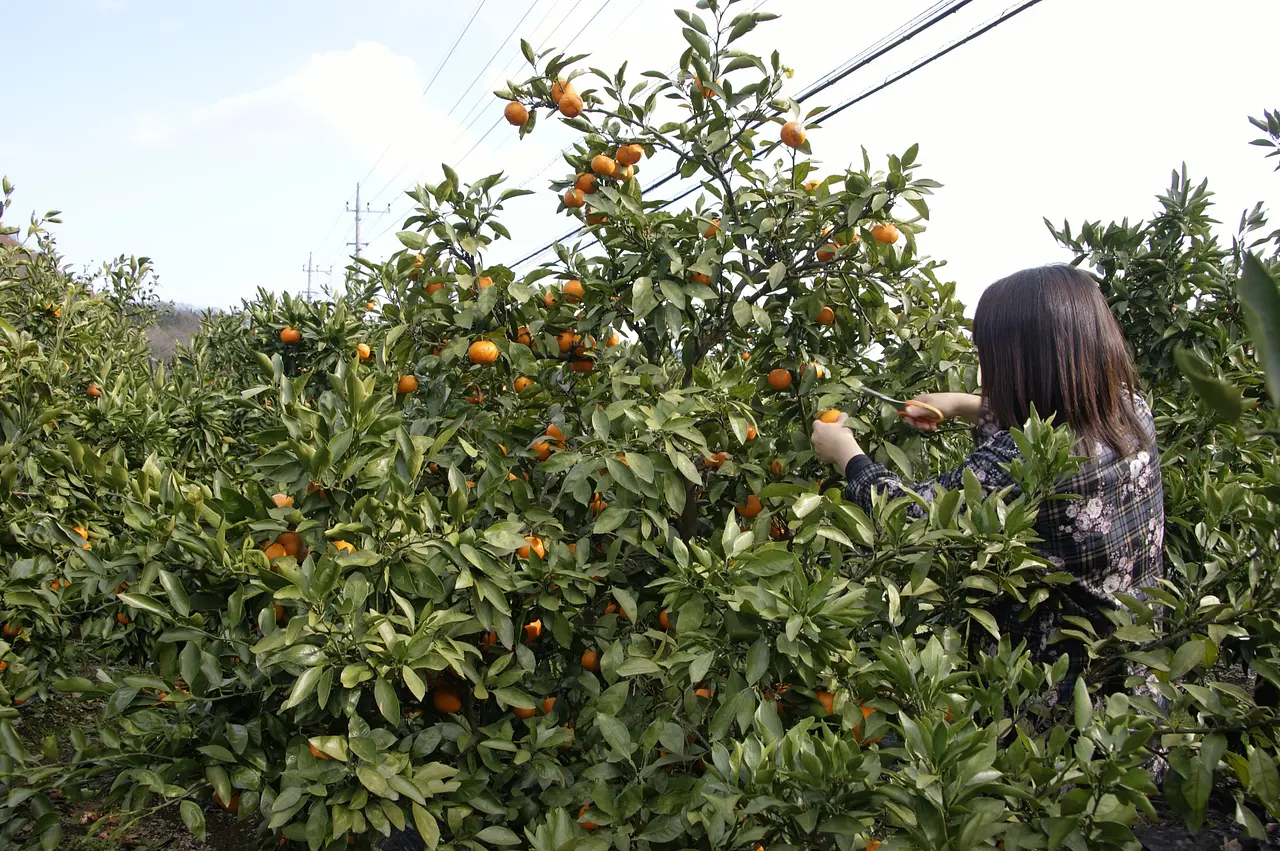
x: 586, y: 183
x: 885, y: 233
x: 446, y: 700
x: 482, y: 352
x: 826, y: 316
x: 603, y: 165
x: 290, y: 335
x: 570, y: 105
x: 559, y: 89
x: 591, y: 660
x: 516, y: 113
x: 282, y: 500
x: 751, y: 507
x: 629, y: 154
x: 521, y: 384
x: 779, y: 379
x: 93, y: 390
x: 573, y: 291
x: 827, y: 253
x: 407, y: 384
x: 364, y: 351
x: 532, y: 629
x: 533, y: 545
x: 574, y: 198
x: 792, y: 134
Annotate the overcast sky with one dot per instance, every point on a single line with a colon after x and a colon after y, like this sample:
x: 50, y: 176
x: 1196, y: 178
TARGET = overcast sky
x: 224, y: 139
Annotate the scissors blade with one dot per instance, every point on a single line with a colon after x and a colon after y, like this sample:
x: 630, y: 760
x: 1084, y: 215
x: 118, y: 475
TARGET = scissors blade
x: 901, y: 406
x: 897, y: 403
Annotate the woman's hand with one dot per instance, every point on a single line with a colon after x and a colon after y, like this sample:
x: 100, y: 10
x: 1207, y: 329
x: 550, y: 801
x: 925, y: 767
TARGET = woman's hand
x: 834, y: 443
x: 965, y: 406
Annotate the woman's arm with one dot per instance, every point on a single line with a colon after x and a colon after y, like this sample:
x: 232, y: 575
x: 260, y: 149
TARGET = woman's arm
x: 835, y: 444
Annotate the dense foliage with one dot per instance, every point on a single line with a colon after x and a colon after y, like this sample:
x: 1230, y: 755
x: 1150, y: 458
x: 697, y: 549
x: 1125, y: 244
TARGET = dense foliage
x: 344, y: 566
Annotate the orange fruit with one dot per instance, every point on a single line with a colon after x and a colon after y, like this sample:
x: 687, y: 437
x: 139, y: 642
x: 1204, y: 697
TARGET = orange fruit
x: 446, y: 700
x: 229, y: 807
x: 582, y: 365
x: 476, y: 396
x: 484, y: 282
x: 553, y: 431
x: 826, y: 316
x: 625, y: 173
x: 4, y: 666
x: 706, y: 92
x: 603, y: 165
x: 712, y: 229
x: 11, y: 629
x: 707, y: 693
x: 663, y: 620
x: 827, y: 699
x: 613, y: 339
x: 827, y: 253
x: 368, y: 305
x: 523, y: 714
x: 542, y: 449
x: 515, y: 113
x: 591, y: 660
x: 407, y: 384
x: 751, y: 432
x: 559, y: 89
x: 574, y: 198
x: 93, y: 390
x: 434, y: 287
x: 291, y: 542
x: 364, y: 351
x: 745, y: 356
x: 810, y: 186
x: 589, y: 825
x: 290, y: 335
x: 751, y: 507
x: 548, y: 704
x: 521, y: 384
x: 279, y: 611
x: 829, y: 416
x: 777, y: 467
x: 535, y: 545
x: 873, y: 845
x: 532, y: 629
x: 122, y: 619
x: 83, y: 533
x: 777, y: 529
x: 596, y: 218
x: 793, y: 134
x: 482, y: 352
x: 524, y: 338
x: 570, y: 104
x: 282, y: 500
x: 715, y: 460
x: 344, y: 546
x: 779, y: 379
x: 700, y: 278
x: 316, y: 752
x: 629, y: 154
x: 598, y: 505
x: 572, y: 291
x: 586, y: 183
x: 885, y: 233
x: 817, y: 367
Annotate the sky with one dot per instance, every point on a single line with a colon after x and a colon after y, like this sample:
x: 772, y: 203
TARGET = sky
x: 225, y: 140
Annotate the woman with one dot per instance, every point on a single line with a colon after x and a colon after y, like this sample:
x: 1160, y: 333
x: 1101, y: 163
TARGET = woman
x: 1046, y: 337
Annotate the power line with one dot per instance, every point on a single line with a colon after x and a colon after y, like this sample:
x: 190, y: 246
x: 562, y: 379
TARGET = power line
x: 366, y: 211
x: 567, y: 47
x: 828, y: 113
x: 858, y: 61
x: 432, y: 81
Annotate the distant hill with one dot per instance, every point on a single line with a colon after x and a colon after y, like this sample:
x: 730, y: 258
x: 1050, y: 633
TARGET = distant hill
x: 177, y: 324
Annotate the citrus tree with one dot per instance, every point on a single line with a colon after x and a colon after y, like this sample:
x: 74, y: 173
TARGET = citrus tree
x: 545, y: 559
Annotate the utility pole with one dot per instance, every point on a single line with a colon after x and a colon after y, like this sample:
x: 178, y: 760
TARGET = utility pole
x: 365, y: 212
x: 309, y: 269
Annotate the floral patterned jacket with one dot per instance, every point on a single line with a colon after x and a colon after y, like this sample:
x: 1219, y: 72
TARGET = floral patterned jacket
x: 1110, y: 538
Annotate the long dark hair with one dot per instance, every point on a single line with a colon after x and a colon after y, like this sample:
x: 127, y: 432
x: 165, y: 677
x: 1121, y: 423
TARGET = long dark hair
x: 1047, y: 337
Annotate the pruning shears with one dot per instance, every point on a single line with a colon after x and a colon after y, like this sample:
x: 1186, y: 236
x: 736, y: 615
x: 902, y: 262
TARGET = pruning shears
x: 899, y: 405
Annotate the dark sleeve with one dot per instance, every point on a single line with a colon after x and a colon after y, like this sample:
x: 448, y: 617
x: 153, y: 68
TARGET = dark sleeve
x: 863, y: 476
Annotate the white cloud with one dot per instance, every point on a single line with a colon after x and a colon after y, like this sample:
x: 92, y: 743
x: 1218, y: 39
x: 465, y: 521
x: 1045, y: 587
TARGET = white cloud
x: 354, y: 96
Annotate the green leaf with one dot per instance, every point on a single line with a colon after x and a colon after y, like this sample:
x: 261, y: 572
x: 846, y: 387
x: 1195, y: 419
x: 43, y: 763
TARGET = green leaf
x: 498, y: 835
x: 427, y: 826
x: 638, y: 665
x: 412, y: 240
x: 1226, y: 400
x: 615, y: 733
x: 384, y: 693
x: 1188, y: 656
x: 193, y: 818
x: 74, y: 685
x: 1260, y: 296
x: 1264, y: 779
x: 757, y: 660
x: 145, y: 603
x: 610, y: 519
x: 1084, y: 709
